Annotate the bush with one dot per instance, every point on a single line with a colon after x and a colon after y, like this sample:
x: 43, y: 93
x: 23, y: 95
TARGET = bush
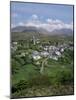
x: 64, y: 77
x: 15, y: 66
x: 40, y: 80
x: 20, y: 86
x: 67, y: 57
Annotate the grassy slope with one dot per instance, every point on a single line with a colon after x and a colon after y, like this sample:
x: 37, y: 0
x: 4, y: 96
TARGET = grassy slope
x: 29, y: 71
x: 24, y: 73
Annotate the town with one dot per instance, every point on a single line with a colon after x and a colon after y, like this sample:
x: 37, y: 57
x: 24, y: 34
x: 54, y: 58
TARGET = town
x: 40, y: 59
x: 45, y: 49
x: 38, y: 51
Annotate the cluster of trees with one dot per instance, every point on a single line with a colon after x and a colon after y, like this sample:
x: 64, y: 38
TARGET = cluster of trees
x: 67, y: 57
x: 19, y: 62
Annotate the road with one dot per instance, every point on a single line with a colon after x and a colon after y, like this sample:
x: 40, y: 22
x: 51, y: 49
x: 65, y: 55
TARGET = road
x: 42, y: 67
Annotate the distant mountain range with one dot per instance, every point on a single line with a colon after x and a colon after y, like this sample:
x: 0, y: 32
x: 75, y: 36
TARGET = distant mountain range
x: 29, y: 29
x: 63, y: 31
x: 23, y: 32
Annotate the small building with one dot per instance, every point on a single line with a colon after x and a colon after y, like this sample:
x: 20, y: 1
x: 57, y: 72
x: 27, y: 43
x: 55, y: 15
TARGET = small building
x: 61, y: 50
x: 44, y: 53
x: 45, y: 48
x: 53, y: 57
x: 36, y: 55
x: 37, y: 41
x: 52, y: 47
x: 15, y: 43
x: 37, y: 63
x: 58, y: 53
x: 13, y: 48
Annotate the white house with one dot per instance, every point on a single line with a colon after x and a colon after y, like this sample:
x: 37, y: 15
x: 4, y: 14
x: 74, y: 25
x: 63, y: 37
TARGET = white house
x: 15, y: 43
x: 62, y: 50
x: 57, y: 53
x: 46, y: 48
x: 44, y: 53
x: 36, y: 55
x: 53, y: 57
x: 52, y: 47
x: 14, y: 48
x: 37, y: 63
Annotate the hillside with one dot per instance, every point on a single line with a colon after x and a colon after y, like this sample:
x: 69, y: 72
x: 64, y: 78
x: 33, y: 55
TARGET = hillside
x: 22, y: 32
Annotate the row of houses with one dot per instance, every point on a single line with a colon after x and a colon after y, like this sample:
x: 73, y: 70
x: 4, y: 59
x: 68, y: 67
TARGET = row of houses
x: 52, y: 52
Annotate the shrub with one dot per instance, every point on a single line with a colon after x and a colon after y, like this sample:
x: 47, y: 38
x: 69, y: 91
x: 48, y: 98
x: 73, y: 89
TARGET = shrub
x: 64, y: 77
x: 40, y: 80
x: 20, y: 86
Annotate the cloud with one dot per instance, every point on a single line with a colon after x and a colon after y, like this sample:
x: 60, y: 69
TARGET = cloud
x: 34, y: 16
x: 49, y: 24
x: 21, y: 24
x: 13, y: 25
x: 53, y: 21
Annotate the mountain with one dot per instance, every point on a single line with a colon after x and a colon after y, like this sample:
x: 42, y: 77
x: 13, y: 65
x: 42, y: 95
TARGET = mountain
x: 23, y: 32
x: 64, y: 31
x: 28, y: 29
x: 24, y: 29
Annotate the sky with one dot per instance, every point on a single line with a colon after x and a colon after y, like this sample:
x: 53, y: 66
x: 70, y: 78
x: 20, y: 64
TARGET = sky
x: 49, y: 16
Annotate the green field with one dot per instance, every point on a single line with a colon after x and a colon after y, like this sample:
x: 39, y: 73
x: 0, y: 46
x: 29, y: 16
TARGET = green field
x: 56, y: 77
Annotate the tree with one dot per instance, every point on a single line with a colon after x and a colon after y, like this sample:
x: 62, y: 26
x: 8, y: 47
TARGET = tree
x: 15, y: 66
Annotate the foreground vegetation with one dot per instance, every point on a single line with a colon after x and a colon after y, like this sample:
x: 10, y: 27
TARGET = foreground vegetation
x: 26, y: 79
